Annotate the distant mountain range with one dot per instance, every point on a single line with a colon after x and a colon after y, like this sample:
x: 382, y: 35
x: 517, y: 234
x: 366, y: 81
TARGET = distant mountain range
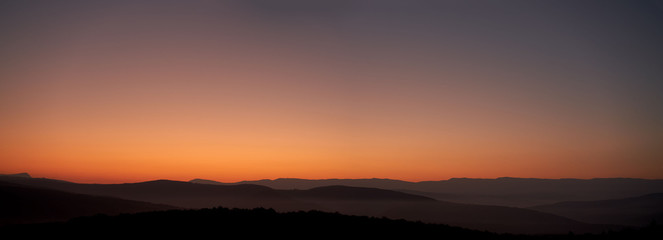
x: 353, y: 200
x: 515, y: 192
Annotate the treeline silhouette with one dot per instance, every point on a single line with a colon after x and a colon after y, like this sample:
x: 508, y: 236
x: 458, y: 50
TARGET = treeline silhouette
x: 220, y: 223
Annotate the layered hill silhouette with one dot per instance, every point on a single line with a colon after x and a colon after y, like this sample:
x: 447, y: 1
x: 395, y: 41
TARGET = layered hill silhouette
x: 22, y: 204
x: 343, y: 199
x: 636, y: 211
x: 175, y: 193
x: 515, y: 192
x: 345, y: 193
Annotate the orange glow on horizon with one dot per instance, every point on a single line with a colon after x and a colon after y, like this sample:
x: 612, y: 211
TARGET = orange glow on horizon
x: 127, y: 92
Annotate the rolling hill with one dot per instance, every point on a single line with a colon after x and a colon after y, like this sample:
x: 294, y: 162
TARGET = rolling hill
x: 175, y: 193
x: 22, y: 204
x: 345, y: 193
x: 514, y: 192
x: 343, y: 199
x: 635, y: 211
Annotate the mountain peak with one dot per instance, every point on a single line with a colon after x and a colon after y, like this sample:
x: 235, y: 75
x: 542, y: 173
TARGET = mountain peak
x: 22, y: 175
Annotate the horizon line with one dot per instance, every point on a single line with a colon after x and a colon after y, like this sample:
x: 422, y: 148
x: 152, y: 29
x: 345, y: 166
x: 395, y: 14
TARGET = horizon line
x: 322, y: 179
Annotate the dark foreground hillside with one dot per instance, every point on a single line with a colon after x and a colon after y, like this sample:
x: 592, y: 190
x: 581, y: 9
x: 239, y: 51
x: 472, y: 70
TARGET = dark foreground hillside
x: 635, y: 211
x: 222, y: 223
x: 23, y: 204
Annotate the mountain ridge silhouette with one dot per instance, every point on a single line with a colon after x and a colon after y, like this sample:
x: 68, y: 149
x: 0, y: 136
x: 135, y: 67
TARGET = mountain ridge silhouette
x: 504, y: 191
x: 343, y: 199
x: 25, y: 204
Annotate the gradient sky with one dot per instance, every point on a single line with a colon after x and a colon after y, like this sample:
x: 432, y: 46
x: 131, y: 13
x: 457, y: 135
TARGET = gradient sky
x: 122, y: 91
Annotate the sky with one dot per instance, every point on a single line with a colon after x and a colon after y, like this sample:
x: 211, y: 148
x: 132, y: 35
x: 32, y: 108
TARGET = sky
x: 125, y: 91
